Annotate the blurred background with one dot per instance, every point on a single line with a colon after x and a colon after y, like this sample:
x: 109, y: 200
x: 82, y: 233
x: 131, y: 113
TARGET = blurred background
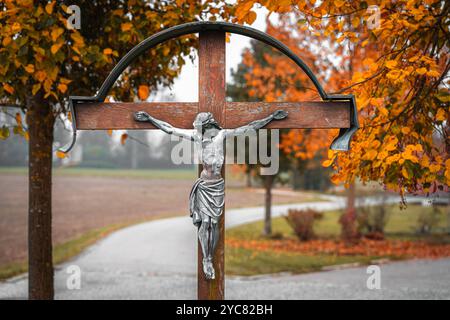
x: 111, y: 180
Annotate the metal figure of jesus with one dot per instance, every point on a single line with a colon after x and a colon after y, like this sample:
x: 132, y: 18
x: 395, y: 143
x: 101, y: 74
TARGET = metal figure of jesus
x: 206, y: 199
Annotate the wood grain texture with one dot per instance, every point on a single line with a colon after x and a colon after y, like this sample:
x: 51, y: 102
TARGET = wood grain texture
x: 211, y: 98
x: 317, y: 114
x: 314, y: 114
x: 119, y: 115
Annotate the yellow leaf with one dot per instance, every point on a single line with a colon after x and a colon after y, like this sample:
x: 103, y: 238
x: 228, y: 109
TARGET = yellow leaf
x: 54, y: 48
x: 327, y: 163
x: 391, y: 64
x: 143, y: 92
x: 331, y: 154
x: 16, y: 27
x: 35, y: 88
x: 393, y: 75
x: 29, y: 68
x: 434, y: 168
x: 40, y: 76
x: 335, y: 179
x: 8, y: 88
x: 405, y: 173
x: 384, y: 111
x: 60, y: 155
x: 339, y: 3
x: 62, y: 87
x: 56, y: 33
x: 123, y: 138
x: 371, y: 154
x: 425, y: 161
x: 382, y: 155
x: 64, y: 80
x: 49, y: 7
x: 440, y: 115
x: 406, y: 130
x: 355, y: 22
x: 166, y: 50
x: 421, y: 71
x: 126, y: 26
x: 77, y: 38
x: 375, y: 144
x: 433, y: 73
x: 107, y: 51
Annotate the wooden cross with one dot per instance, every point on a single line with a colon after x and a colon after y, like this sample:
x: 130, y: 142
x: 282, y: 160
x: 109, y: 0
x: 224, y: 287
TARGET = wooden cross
x: 92, y: 115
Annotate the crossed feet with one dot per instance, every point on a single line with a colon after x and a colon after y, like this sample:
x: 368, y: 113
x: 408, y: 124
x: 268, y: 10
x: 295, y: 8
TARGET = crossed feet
x: 208, y: 268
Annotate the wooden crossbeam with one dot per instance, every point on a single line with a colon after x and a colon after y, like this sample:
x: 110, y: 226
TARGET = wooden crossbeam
x: 119, y: 115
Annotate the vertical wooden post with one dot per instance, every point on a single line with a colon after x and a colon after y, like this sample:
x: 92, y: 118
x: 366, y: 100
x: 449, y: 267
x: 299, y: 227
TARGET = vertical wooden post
x: 211, y: 98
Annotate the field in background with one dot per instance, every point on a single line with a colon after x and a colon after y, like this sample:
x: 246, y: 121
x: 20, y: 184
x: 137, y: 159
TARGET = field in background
x: 117, y: 173
x: 89, y: 203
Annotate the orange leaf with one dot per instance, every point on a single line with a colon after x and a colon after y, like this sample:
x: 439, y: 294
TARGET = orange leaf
x: 143, y: 92
x: 391, y: 64
x: 29, y: 68
x: 8, y: 88
x: 327, y: 163
x: 60, y: 155
x: 55, y: 48
x: 56, y: 33
x: 126, y: 26
x: 62, y: 87
x: 123, y: 138
x: 251, y: 17
x: 49, y: 8
x: 440, y: 115
x: 421, y: 71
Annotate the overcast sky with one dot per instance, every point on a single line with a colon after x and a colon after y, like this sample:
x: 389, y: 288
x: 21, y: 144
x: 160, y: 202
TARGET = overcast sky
x: 185, y: 88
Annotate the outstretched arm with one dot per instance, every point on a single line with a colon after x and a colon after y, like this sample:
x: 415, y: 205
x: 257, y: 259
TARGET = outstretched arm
x: 257, y: 124
x: 143, y: 116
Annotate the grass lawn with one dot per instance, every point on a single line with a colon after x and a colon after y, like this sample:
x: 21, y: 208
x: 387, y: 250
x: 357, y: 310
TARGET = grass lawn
x: 243, y: 261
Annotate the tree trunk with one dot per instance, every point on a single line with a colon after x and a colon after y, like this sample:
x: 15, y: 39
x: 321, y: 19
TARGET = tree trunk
x: 268, y: 184
x: 248, y: 174
x: 40, y: 121
x: 348, y: 220
x: 351, y: 197
x: 296, y: 178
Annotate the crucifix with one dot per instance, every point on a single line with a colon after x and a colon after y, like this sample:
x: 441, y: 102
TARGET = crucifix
x: 220, y: 118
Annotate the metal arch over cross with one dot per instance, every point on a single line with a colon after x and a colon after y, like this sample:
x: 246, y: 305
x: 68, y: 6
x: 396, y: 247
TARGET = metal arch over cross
x: 334, y: 111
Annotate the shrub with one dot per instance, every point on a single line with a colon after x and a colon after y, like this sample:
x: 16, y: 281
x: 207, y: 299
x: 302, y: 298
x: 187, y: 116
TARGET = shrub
x: 372, y: 220
x: 348, y: 223
x: 428, y: 220
x: 302, y: 222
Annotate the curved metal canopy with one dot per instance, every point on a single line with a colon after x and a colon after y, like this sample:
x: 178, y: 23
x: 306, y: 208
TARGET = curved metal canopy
x: 340, y: 143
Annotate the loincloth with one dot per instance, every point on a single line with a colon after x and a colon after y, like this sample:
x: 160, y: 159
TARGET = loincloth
x: 207, y: 198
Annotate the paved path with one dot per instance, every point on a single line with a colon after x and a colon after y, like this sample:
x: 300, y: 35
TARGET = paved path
x: 157, y: 260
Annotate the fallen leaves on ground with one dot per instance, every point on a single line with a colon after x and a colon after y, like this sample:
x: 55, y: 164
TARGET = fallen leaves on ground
x: 364, y: 247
